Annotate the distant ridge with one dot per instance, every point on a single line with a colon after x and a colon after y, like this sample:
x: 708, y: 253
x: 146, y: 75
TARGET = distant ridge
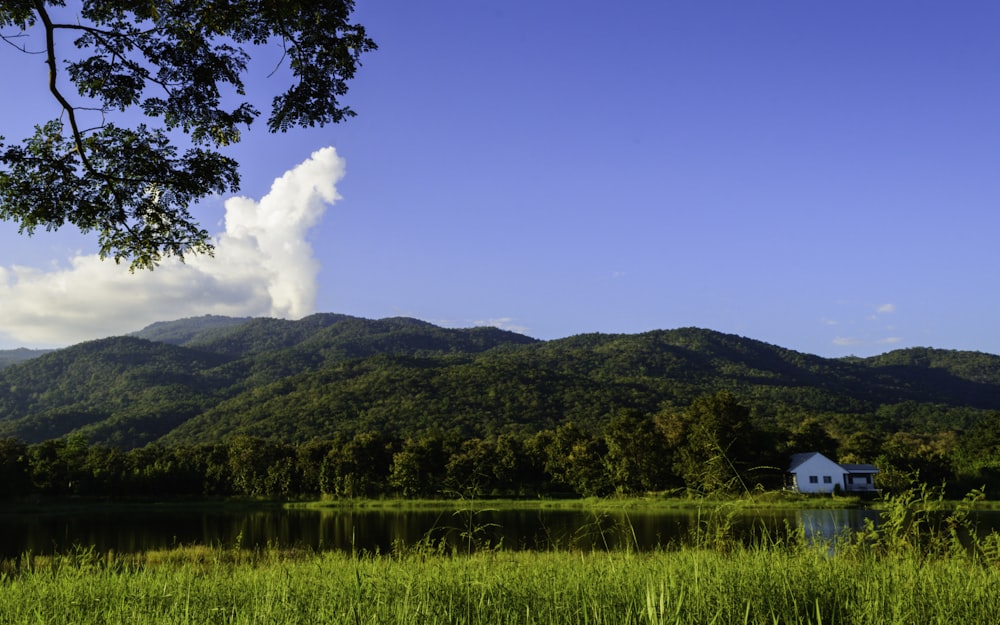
x: 188, y: 329
x: 13, y: 356
x: 204, y: 379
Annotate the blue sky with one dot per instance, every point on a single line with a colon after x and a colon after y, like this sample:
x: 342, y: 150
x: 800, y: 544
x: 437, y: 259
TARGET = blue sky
x: 821, y: 176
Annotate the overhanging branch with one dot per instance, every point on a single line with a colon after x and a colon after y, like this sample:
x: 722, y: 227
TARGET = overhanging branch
x: 50, y: 60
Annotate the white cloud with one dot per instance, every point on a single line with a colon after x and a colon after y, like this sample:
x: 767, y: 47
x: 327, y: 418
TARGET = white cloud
x: 504, y: 323
x: 886, y: 309
x: 844, y: 341
x: 263, y: 266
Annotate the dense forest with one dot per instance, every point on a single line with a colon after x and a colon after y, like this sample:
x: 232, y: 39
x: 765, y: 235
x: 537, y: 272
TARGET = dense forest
x: 343, y: 406
x: 710, y: 447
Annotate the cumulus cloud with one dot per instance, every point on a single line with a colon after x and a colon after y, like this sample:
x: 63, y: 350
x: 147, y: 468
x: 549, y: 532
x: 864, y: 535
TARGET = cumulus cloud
x: 885, y: 309
x: 263, y: 266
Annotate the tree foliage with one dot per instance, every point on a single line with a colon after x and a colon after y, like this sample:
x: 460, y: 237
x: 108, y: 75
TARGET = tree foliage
x: 639, y: 455
x: 716, y: 450
x: 719, y: 444
x: 181, y: 65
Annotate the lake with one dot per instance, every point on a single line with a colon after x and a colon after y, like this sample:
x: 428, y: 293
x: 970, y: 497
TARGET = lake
x: 127, y: 529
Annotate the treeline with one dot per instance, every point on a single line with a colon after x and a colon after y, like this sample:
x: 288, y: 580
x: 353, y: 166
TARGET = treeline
x: 711, y: 446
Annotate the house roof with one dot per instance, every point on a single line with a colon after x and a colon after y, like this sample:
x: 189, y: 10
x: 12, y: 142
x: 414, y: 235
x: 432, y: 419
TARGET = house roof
x: 800, y: 459
x: 860, y: 468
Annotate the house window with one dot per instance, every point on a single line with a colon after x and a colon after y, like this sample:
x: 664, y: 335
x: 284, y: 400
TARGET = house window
x: 827, y: 479
x: 850, y: 479
x: 868, y: 479
x: 814, y: 479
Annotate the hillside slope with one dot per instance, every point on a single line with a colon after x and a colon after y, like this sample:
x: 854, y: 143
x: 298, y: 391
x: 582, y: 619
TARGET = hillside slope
x: 207, y: 379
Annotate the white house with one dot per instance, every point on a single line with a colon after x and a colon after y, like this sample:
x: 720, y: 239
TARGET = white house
x: 815, y: 473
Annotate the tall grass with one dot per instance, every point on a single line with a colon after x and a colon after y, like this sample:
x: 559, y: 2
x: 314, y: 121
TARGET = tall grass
x: 915, y: 568
x: 687, y: 586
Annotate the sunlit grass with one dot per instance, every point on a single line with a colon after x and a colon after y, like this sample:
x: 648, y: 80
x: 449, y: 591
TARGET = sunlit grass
x: 782, y: 584
x: 914, y: 568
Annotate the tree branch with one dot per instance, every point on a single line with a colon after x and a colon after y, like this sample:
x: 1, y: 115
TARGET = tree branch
x: 8, y: 40
x: 50, y: 60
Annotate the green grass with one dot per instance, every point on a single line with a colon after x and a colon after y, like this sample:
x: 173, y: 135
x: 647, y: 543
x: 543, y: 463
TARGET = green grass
x: 917, y: 567
x: 777, y: 584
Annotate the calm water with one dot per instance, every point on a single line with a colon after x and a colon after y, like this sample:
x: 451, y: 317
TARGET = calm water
x: 129, y: 530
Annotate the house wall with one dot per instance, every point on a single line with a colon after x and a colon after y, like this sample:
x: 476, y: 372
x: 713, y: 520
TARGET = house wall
x: 827, y: 475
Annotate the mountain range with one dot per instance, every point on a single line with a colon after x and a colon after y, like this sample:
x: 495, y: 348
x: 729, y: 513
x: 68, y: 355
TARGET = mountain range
x: 208, y: 378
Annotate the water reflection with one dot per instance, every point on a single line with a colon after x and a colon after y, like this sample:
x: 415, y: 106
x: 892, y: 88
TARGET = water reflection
x: 824, y: 525
x: 137, y: 529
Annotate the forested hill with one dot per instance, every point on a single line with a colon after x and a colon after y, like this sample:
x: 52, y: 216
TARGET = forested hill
x: 209, y: 378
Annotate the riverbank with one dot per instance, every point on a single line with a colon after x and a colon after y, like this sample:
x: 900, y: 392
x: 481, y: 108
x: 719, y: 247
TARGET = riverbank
x: 67, y: 505
x: 762, y: 501
x: 768, y: 500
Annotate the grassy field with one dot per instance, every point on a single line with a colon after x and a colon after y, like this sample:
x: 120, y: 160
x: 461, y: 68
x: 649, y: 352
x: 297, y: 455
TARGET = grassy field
x: 916, y: 567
